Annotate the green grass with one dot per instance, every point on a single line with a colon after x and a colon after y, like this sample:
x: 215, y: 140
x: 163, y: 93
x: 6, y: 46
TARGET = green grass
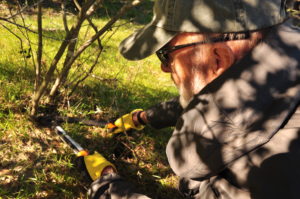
x: 35, y: 163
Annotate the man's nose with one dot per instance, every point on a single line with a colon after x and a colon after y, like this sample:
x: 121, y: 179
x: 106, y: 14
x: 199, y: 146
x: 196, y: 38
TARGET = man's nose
x: 165, y: 68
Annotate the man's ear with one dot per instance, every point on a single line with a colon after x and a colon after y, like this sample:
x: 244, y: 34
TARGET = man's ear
x: 223, y: 57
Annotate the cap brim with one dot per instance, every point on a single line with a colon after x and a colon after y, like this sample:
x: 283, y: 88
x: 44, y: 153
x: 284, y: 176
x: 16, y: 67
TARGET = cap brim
x: 145, y: 42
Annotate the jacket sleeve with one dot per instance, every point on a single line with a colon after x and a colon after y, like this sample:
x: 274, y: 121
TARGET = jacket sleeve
x: 164, y: 114
x: 114, y: 187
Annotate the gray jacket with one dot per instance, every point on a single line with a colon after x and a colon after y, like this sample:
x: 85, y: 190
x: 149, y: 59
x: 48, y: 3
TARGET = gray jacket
x: 238, y: 116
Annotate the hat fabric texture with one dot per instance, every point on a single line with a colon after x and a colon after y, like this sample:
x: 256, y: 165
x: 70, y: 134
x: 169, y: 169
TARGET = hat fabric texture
x: 203, y: 16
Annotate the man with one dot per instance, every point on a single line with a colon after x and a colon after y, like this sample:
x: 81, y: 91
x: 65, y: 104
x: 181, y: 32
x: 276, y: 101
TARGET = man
x: 236, y: 65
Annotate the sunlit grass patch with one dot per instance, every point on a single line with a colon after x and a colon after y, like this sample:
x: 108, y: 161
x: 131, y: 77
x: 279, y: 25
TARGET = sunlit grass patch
x: 35, y: 163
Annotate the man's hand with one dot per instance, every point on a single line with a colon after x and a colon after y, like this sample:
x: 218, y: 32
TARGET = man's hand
x: 126, y: 122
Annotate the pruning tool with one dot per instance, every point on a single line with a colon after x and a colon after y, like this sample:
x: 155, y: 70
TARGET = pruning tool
x: 93, y: 164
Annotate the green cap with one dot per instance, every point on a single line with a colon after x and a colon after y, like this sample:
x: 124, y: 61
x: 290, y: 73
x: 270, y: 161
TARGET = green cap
x: 203, y: 16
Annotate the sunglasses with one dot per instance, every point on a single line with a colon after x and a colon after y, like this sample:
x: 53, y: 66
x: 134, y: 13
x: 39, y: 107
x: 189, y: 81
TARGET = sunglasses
x: 163, y: 53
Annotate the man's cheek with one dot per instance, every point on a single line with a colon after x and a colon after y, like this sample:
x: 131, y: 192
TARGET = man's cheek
x: 176, y: 79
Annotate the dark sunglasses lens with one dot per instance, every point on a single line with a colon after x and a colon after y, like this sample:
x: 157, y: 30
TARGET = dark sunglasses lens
x: 163, y: 57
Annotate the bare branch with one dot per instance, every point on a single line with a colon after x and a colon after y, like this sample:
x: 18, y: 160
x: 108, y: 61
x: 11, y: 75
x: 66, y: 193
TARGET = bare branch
x: 19, y: 38
x: 26, y: 35
x: 69, y: 43
x: 77, y: 4
x: 107, y: 26
x: 22, y: 51
x: 68, y: 64
x: 20, y: 11
x: 28, y: 29
x: 71, y: 40
x: 90, y: 22
x: 65, y: 22
x: 87, y: 74
x: 40, y: 48
x: 18, y: 25
x: 65, y: 70
x: 70, y: 58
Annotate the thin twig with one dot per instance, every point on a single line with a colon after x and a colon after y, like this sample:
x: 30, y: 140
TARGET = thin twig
x: 133, y: 152
x: 87, y: 74
x: 90, y: 22
x: 28, y: 29
x: 18, y: 25
x: 21, y: 42
x: 26, y: 35
x: 20, y: 11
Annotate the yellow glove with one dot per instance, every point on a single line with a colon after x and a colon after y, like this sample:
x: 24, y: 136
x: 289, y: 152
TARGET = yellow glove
x: 95, y: 164
x: 124, y: 123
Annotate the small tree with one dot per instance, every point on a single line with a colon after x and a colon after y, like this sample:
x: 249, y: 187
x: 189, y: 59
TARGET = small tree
x: 49, y: 80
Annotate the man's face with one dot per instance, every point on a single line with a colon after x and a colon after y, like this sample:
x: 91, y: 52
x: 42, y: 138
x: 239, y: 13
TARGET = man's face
x: 192, y: 67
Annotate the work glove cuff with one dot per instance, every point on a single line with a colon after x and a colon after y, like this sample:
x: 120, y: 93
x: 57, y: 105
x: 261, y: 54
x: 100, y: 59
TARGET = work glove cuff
x: 141, y: 126
x: 125, y: 122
